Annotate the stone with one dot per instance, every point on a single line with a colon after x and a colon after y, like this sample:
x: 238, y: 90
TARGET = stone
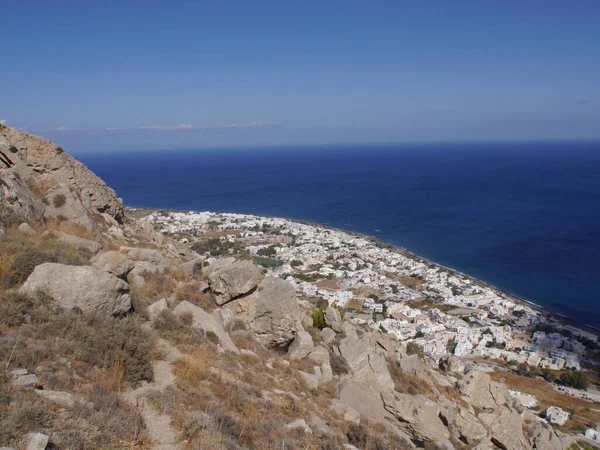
x: 468, y: 426
x: 416, y: 415
x: 271, y: 312
x: 328, y: 335
x: 136, y: 280
x: 482, y: 391
x: 60, y: 397
x: 348, y: 413
x: 366, y: 364
x: 206, y: 322
x: 301, y: 346
x: 79, y: 243
x: 311, y: 380
x: 36, y: 441
x: 192, y: 268
x: 27, y: 380
x: 82, y: 288
x: 18, y: 372
x: 333, y: 319
x: 156, y: 308
x: 25, y: 228
x: 506, y: 428
x: 227, y: 318
x: 113, y: 262
x: 319, y: 355
x: 234, y: 280
x: 300, y: 423
x: 443, y: 445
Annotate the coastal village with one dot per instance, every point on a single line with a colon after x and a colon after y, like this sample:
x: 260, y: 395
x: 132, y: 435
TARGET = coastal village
x: 441, y: 311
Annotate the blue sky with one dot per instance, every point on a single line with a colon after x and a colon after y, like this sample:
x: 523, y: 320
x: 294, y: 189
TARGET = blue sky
x: 155, y: 74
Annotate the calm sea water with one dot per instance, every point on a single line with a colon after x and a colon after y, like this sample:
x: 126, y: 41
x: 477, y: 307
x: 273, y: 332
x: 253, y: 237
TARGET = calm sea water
x: 522, y: 216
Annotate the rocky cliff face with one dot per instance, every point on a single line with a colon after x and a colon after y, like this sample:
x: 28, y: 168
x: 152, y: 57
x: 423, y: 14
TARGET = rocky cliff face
x: 39, y: 180
x: 238, y: 349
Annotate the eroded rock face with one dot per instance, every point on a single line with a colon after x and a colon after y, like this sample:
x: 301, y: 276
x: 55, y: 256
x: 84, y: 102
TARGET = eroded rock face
x: 113, y: 262
x: 234, y: 280
x: 206, y: 322
x: 271, y: 312
x: 418, y: 416
x: 301, y: 346
x: 83, y: 288
x: 45, y: 163
x: 366, y: 364
x: 482, y: 392
x: 333, y: 319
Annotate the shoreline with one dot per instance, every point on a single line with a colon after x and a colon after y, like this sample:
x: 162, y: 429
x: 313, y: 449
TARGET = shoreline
x: 563, y: 320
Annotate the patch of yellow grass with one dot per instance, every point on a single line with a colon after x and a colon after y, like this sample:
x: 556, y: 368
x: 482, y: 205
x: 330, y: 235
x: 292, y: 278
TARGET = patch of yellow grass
x: 74, y: 229
x: 190, y: 370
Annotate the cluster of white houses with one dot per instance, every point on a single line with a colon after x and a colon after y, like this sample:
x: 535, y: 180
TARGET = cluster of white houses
x: 400, y: 293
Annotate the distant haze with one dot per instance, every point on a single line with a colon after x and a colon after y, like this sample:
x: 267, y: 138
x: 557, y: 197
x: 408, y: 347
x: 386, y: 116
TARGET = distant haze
x: 115, y: 75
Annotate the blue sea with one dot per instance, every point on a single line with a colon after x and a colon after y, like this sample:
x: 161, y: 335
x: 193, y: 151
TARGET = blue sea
x: 524, y: 216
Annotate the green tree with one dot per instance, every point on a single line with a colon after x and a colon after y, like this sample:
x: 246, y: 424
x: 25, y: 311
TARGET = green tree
x: 413, y: 348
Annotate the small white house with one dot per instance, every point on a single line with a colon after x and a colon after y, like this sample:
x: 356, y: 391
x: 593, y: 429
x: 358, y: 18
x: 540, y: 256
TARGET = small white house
x: 593, y: 434
x: 556, y: 415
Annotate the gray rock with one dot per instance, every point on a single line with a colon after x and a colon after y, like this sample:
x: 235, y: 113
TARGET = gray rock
x: 18, y: 372
x: 482, y: 391
x: 319, y: 355
x: 113, y: 262
x: 83, y: 288
x: 80, y: 243
x: 206, y: 322
x: 136, y: 280
x: 234, y: 280
x: 367, y: 365
x: 348, y: 413
x: 416, y: 415
x: 301, y: 346
x: 37, y: 441
x: 506, y: 428
x: 333, y: 319
x: 271, y: 312
x: 60, y: 397
x: 192, y: 268
x: 311, y: 380
x: 156, y: 308
x: 27, y: 380
x: 300, y: 423
x: 25, y: 228
x: 328, y: 335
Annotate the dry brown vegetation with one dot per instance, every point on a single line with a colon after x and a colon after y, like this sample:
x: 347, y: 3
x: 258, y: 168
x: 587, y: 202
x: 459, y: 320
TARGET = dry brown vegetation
x: 583, y: 413
x: 20, y: 254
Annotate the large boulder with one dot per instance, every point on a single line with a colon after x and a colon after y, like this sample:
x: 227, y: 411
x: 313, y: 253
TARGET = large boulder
x: 114, y: 263
x: 201, y: 320
x: 271, y: 312
x: 234, y: 280
x: 333, y: 319
x: 301, y: 346
x: 366, y: 363
x: 82, y: 288
x: 78, y: 242
x: 482, y: 392
x: 506, y: 428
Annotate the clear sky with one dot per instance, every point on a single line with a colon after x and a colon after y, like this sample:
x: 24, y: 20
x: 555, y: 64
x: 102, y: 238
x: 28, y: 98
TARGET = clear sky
x: 100, y: 74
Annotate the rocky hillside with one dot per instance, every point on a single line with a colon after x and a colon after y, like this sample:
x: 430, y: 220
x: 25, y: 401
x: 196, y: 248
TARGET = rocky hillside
x: 115, y: 336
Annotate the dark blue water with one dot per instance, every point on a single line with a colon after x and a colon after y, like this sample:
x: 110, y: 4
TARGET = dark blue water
x: 522, y: 216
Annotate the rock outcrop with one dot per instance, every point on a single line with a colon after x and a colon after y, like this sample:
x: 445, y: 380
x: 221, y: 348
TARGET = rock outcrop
x: 205, y: 322
x: 232, y: 279
x: 64, y: 186
x: 82, y: 288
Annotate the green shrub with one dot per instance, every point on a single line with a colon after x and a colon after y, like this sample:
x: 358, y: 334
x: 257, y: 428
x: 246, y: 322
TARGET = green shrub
x: 296, y: 263
x: 575, y: 379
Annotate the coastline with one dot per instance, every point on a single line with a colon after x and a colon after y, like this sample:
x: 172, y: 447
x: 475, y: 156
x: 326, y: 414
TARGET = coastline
x: 563, y: 320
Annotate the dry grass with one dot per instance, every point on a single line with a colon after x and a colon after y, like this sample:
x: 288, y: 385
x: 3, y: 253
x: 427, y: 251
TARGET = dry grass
x: 74, y: 229
x: 192, y: 293
x: 582, y: 411
x: 406, y: 383
x: 39, y: 190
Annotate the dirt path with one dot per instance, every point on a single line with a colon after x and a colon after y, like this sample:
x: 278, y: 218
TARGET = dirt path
x: 160, y: 431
